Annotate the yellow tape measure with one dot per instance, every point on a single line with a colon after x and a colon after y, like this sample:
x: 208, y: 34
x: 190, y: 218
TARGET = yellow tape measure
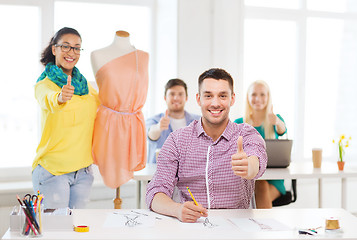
x: 81, y: 228
x: 332, y: 224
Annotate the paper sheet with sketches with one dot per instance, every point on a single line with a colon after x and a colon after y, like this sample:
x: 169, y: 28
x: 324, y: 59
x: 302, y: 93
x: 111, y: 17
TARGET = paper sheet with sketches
x: 144, y: 218
x: 131, y: 218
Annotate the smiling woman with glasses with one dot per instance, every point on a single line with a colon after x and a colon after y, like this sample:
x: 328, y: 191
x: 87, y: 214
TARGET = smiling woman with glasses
x: 62, y: 166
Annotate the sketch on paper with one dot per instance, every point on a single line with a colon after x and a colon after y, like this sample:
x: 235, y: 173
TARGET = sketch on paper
x: 130, y: 218
x: 208, y: 224
x: 205, y: 223
x: 131, y: 221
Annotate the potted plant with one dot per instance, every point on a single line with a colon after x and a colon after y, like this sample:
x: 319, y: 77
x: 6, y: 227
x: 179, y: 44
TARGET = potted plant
x: 342, y: 143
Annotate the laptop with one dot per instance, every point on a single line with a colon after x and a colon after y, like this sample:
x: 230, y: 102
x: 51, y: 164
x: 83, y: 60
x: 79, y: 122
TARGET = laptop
x: 279, y: 152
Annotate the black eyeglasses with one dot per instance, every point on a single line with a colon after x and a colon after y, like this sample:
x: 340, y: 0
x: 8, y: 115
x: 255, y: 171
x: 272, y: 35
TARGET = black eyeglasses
x: 67, y: 48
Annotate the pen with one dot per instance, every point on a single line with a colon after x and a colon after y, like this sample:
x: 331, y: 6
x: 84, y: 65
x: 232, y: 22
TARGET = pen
x: 307, y: 232
x: 193, y: 198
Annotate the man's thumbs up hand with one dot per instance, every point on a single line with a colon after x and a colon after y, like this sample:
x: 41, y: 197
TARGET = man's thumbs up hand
x: 242, y: 165
x: 165, y: 121
x: 240, y: 145
x: 240, y: 160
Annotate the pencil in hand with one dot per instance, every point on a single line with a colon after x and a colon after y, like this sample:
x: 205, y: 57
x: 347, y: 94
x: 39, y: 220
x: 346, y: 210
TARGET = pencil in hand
x: 193, y: 198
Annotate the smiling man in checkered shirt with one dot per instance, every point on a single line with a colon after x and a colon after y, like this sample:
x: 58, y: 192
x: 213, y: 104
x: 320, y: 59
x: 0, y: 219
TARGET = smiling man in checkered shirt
x: 217, y: 159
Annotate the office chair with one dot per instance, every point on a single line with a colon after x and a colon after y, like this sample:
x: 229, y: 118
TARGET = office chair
x: 288, y: 198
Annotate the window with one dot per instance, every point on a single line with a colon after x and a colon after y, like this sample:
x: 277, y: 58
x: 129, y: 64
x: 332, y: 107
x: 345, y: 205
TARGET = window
x: 270, y: 55
x: 330, y: 82
x: 18, y: 113
x: 306, y: 52
x: 323, y: 61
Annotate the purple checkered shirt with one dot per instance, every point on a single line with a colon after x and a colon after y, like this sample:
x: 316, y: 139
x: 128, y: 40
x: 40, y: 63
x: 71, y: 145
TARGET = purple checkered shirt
x: 190, y: 158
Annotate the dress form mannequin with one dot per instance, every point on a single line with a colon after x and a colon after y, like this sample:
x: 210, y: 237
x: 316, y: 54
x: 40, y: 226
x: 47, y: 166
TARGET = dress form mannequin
x: 119, y: 137
x: 120, y: 46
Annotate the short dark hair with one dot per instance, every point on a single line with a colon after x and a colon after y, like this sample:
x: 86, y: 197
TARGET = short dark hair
x: 47, y: 55
x: 218, y: 74
x: 175, y: 82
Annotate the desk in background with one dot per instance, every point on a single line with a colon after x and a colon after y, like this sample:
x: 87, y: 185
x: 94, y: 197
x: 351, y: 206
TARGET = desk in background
x: 171, y: 228
x: 296, y: 170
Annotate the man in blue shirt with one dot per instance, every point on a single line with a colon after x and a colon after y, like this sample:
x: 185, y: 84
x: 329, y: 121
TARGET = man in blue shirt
x: 161, y: 125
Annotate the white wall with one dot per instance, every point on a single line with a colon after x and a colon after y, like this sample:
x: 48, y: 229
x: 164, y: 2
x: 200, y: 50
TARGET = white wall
x: 208, y: 36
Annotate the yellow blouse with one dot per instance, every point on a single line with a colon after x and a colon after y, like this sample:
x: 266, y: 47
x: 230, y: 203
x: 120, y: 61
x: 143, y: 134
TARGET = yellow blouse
x: 67, y: 129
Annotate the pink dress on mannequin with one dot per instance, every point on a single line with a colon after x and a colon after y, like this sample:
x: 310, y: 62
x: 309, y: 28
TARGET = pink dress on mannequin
x: 119, y: 141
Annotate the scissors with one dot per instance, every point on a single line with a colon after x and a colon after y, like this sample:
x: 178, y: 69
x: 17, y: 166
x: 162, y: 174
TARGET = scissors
x: 31, y: 199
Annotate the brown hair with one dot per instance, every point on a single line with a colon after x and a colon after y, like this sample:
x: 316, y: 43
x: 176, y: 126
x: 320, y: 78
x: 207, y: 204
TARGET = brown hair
x: 175, y: 82
x: 218, y: 74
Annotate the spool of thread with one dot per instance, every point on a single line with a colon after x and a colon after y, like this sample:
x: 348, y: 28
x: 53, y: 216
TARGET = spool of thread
x: 332, y: 224
x: 82, y: 228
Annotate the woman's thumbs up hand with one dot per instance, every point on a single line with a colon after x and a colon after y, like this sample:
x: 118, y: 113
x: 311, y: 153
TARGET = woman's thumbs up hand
x: 66, y: 92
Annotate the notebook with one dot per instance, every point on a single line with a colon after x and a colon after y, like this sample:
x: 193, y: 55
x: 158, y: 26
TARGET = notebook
x: 279, y: 152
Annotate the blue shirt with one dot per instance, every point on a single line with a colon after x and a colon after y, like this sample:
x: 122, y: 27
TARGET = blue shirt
x: 153, y: 145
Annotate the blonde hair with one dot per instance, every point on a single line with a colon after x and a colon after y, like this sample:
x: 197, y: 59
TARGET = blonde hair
x: 268, y: 127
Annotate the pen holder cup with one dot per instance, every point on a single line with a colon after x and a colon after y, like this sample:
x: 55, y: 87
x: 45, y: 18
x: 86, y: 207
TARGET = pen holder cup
x: 30, y: 221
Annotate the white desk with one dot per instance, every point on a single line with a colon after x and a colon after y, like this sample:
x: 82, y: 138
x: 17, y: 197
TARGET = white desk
x: 171, y: 228
x: 296, y: 170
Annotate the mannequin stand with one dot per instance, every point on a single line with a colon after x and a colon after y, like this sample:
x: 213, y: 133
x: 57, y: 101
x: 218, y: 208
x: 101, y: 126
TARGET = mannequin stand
x: 117, y: 201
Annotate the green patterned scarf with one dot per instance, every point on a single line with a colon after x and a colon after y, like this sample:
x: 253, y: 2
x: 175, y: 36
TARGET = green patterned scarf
x: 56, y: 75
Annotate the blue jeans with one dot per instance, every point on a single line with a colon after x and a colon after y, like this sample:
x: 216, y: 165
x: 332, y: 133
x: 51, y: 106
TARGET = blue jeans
x: 60, y: 191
